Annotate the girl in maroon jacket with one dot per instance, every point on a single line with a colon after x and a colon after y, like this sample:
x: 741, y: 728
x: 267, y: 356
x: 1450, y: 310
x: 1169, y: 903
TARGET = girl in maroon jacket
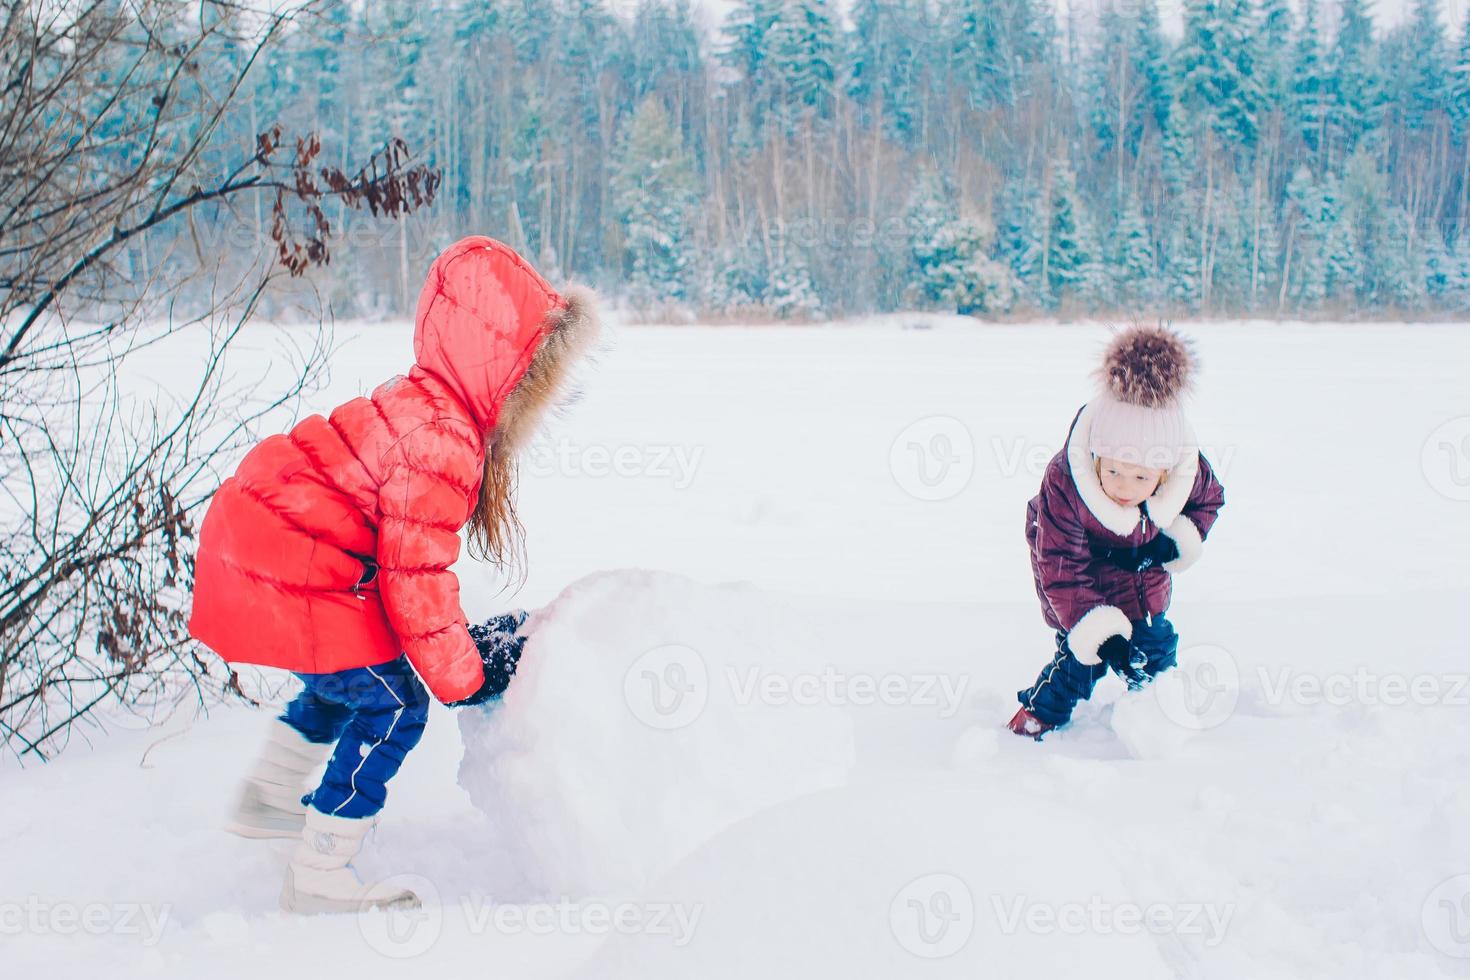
x: 1122, y: 508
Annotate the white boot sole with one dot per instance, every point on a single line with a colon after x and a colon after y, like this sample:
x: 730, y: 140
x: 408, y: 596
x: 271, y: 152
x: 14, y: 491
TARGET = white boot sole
x: 305, y: 903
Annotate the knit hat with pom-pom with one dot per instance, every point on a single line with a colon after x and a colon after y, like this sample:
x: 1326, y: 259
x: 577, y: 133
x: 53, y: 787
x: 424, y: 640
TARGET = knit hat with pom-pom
x: 1138, y: 417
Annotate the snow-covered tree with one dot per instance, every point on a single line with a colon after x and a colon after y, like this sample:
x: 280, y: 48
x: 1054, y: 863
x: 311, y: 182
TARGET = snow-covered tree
x: 1151, y: 54
x: 1309, y: 85
x: 1427, y: 69
x: 1067, y: 253
x: 1272, y: 50
x: 790, y: 292
x: 807, y: 44
x: 1216, y: 71
x: 1354, y: 80
x: 888, y: 57
x: 1133, y: 263
x: 1020, y: 232
x: 1458, y: 82
x: 654, y: 192
x: 1180, y: 261
x: 734, y: 278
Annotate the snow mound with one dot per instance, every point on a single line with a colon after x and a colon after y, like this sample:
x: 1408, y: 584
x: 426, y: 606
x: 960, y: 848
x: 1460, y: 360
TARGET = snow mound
x: 636, y: 729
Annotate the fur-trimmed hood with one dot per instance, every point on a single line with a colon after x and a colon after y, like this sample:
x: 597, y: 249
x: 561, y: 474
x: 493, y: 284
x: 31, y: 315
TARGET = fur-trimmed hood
x: 499, y: 336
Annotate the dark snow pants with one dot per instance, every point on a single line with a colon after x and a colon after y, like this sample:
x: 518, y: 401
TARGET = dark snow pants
x: 375, y: 715
x: 1066, y: 681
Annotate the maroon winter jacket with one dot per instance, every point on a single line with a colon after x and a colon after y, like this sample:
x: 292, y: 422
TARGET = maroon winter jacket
x: 1072, y: 520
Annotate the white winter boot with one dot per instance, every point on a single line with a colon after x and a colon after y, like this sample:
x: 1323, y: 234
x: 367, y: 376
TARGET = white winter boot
x: 269, y: 804
x: 320, y: 878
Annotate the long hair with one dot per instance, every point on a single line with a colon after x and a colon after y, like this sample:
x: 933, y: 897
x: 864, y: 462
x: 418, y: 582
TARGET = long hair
x: 495, y: 531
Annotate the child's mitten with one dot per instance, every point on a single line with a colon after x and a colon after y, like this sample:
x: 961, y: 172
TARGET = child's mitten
x: 1161, y: 549
x: 500, y: 652
x: 1129, y: 661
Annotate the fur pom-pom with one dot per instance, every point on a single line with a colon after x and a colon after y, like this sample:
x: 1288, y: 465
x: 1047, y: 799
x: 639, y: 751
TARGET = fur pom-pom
x: 1150, y: 366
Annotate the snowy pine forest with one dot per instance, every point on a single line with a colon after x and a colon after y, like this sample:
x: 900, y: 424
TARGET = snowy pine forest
x: 800, y: 158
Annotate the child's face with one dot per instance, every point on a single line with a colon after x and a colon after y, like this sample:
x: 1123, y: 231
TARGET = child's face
x: 1126, y: 484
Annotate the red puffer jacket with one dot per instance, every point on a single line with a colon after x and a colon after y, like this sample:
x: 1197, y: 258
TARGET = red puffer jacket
x: 1072, y: 520
x: 330, y: 546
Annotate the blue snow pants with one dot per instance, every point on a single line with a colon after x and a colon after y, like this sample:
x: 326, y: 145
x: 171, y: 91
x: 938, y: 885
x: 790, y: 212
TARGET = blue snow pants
x: 1066, y: 680
x: 375, y: 715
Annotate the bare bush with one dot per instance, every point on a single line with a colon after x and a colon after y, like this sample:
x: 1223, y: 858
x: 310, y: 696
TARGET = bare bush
x: 113, y: 123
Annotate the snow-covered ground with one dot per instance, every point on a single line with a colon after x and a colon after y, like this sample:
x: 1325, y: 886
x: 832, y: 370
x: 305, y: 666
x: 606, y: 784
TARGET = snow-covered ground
x: 785, y: 606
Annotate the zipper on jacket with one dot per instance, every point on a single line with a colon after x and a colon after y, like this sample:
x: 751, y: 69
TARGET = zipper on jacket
x: 1138, y: 582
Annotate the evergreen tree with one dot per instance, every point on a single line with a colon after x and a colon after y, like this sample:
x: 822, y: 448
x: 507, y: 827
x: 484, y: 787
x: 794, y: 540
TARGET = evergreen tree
x: 735, y: 278
x: 1458, y: 290
x: 1340, y: 256
x: 1458, y: 82
x: 1067, y: 251
x: 324, y: 58
x: 1116, y: 91
x: 887, y: 59
x: 1307, y: 275
x: 807, y: 44
x: 949, y: 254
x: 654, y: 193
x: 1019, y: 234
x: 664, y: 48
x: 1216, y: 70
x: 1181, y: 264
x: 1309, y: 87
x: 1133, y: 263
x: 1272, y: 52
x: 1438, y: 271
x: 401, y: 79
x: 1427, y: 68
x: 1355, y: 81
x: 992, y: 46
x: 749, y: 30
x: 1151, y: 55
x: 790, y: 292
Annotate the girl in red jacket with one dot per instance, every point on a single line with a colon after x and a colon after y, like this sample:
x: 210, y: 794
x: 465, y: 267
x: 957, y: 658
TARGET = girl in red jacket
x: 328, y: 553
x: 1122, y: 509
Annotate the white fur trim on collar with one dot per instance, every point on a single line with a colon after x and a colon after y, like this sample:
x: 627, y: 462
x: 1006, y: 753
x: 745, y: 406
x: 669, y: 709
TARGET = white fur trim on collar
x: 1191, y: 545
x: 1094, y: 629
x: 1163, y: 507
